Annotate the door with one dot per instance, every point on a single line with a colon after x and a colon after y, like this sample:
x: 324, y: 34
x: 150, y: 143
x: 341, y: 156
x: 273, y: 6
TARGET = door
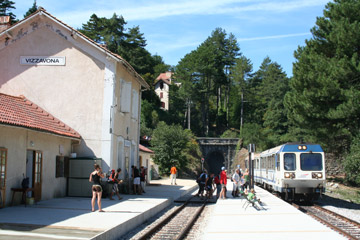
x: 3, y: 158
x: 37, y: 175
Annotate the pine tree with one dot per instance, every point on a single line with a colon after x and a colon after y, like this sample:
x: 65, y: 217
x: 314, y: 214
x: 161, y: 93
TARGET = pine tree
x: 31, y: 10
x: 324, y: 101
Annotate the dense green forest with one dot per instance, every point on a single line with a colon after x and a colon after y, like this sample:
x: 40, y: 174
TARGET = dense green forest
x: 320, y: 103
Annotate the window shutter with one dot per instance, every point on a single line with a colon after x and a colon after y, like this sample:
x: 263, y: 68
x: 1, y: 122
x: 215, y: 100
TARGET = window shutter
x: 125, y: 98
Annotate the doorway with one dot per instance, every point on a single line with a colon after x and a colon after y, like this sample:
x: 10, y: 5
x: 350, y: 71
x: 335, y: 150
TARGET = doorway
x: 34, y: 172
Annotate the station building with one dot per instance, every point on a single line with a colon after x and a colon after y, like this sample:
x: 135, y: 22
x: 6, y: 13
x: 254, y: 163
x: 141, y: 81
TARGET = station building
x: 82, y: 85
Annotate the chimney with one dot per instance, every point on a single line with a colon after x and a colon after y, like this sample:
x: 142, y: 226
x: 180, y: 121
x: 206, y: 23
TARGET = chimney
x: 4, y: 23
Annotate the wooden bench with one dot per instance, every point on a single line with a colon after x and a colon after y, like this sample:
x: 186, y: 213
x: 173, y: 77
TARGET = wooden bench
x: 24, y: 191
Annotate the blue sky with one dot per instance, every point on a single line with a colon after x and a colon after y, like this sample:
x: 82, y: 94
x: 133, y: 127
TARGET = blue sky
x: 173, y: 28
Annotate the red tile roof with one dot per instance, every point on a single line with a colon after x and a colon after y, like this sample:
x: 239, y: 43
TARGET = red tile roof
x: 145, y: 149
x: 164, y: 77
x: 19, y: 111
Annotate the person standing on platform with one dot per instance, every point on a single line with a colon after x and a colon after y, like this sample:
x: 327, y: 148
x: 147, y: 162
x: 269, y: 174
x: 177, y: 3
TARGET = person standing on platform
x: 116, y: 182
x: 246, y: 179
x: 173, y: 172
x: 136, y: 176
x: 143, y: 178
x: 218, y: 185
x: 236, y: 183
x: 209, y: 185
x: 95, y: 177
x: 223, y: 182
x: 201, y: 182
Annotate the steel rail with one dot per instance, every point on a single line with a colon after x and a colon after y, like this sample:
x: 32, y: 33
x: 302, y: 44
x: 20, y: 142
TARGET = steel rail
x: 325, y: 222
x: 337, y: 215
x: 159, y: 225
x: 186, y: 229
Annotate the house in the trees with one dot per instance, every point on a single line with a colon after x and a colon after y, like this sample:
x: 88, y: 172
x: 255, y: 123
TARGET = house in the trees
x: 162, y: 88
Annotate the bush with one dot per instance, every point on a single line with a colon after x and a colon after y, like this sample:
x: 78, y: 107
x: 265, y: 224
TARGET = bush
x: 352, y: 163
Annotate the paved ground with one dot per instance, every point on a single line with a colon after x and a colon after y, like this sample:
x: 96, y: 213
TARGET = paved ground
x: 278, y: 220
x: 71, y: 218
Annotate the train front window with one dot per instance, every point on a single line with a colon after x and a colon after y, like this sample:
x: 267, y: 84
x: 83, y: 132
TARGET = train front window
x: 311, y: 162
x: 289, y: 162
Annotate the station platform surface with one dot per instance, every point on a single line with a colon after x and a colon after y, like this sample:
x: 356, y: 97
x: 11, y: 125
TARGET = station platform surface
x: 231, y: 219
x: 71, y: 218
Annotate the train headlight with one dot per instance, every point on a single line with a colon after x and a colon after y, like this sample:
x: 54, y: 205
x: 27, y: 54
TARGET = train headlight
x: 292, y: 175
x: 287, y: 175
x: 317, y: 175
x: 302, y: 147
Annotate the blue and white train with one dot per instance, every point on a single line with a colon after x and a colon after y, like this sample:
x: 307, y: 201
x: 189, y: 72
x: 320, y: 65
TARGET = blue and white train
x: 296, y: 171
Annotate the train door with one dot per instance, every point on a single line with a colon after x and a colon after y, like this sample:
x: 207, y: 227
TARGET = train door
x: 267, y: 167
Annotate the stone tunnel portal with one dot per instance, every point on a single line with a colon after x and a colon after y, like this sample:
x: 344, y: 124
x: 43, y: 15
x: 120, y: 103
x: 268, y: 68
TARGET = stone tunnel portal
x: 214, y: 161
x: 218, y: 152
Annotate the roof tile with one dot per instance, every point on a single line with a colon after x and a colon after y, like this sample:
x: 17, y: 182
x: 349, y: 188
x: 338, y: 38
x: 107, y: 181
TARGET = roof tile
x: 20, y: 111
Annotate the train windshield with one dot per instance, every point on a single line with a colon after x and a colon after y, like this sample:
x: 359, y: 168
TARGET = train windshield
x: 289, y: 161
x: 311, y: 162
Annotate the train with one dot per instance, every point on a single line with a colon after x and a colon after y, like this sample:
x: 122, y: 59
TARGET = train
x: 295, y: 171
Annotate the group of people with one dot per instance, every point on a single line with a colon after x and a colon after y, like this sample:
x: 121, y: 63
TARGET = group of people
x: 139, y: 178
x: 208, y: 183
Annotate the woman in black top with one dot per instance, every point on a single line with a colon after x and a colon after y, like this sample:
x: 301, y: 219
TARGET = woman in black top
x: 95, y: 177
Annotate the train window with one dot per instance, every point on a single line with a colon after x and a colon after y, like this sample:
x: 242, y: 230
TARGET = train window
x: 277, y: 157
x: 311, y: 162
x: 289, y: 161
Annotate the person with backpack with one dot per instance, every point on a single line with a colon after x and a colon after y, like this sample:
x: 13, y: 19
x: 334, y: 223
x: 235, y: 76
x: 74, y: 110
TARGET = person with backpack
x: 114, y: 179
x: 201, y: 182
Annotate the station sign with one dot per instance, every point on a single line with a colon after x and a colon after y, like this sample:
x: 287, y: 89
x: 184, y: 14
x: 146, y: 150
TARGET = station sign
x: 42, y: 60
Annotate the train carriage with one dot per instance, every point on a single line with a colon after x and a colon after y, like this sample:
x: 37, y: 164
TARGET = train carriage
x: 294, y: 170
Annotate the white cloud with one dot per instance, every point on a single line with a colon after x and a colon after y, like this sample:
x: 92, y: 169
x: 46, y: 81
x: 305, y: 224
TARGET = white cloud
x: 148, y: 10
x: 273, y: 37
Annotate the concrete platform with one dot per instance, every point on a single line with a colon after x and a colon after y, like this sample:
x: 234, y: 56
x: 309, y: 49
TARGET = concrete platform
x: 71, y: 218
x: 278, y: 220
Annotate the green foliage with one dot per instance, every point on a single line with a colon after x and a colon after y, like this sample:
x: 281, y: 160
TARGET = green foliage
x: 5, y: 9
x: 324, y: 101
x: 173, y: 146
x: 352, y: 162
x: 252, y: 133
x: 230, y: 134
x: 204, y: 74
x: 31, y: 10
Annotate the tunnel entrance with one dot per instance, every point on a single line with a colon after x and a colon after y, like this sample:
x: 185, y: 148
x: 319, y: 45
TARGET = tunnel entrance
x: 218, y: 152
x: 214, y: 161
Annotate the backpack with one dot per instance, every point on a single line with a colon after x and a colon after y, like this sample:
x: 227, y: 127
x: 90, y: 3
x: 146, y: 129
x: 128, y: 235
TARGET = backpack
x: 25, y: 182
x: 112, y: 176
x: 201, y: 178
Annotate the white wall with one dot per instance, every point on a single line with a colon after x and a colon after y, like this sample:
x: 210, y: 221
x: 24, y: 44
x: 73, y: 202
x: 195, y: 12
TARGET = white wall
x: 17, y: 141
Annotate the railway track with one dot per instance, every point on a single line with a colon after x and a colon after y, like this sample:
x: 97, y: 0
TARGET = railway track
x: 341, y: 224
x: 177, y: 224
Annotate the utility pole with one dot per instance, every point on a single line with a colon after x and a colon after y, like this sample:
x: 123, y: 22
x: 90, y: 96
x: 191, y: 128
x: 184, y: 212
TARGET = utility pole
x: 241, y: 111
x: 189, y: 112
x: 251, y: 165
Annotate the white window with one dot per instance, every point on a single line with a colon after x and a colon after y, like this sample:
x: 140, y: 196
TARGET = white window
x: 135, y: 104
x: 125, y: 98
